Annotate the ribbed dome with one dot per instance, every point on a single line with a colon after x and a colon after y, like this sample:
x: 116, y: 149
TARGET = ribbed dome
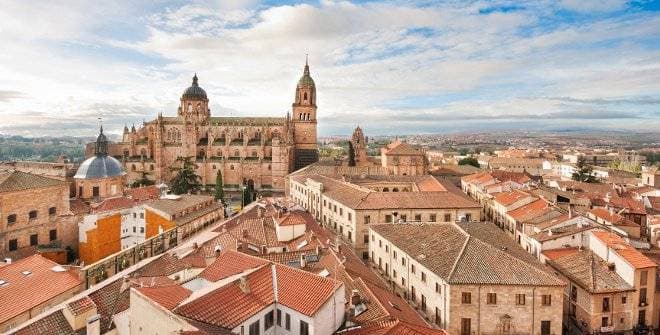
x: 194, y: 92
x: 99, y: 167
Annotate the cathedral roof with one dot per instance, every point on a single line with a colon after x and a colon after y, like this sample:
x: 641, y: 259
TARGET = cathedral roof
x: 194, y: 92
x: 306, y: 79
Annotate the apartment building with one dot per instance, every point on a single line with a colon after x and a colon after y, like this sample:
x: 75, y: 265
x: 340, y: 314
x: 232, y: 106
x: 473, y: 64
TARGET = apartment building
x: 468, y: 278
x: 348, y: 208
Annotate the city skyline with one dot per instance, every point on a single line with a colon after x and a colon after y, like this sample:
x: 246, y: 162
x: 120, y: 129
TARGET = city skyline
x: 395, y: 67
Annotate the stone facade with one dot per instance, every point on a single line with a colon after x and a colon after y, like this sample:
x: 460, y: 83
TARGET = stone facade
x: 32, y: 216
x: 253, y: 151
x: 359, y: 143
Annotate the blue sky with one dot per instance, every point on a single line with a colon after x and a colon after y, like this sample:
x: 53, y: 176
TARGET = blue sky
x: 399, y: 67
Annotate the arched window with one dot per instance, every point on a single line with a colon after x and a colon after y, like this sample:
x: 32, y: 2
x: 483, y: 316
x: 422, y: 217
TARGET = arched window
x: 395, y: 189
x: 213, y: 166
x: 231, y: 167
x: 151, y: 167
x: 132, y: 167
x: 305, y: 96
x: 386, y: 189
x: 236, y: 153
x: 300, y: 117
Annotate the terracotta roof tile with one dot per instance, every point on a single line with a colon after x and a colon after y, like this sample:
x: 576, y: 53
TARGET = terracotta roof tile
x: 11, y: 181
x: 630, y: 254
x: 509, y: 198
x: 589, y: 272
x: 24, y: 291
x: 393, y: 327
x: 111, y: 204
x: 230, y: 263
x: 141, y: 194
x: 52, y: 324
x: 166, y: 296
x: 556, y: 253
x: 81, y: 305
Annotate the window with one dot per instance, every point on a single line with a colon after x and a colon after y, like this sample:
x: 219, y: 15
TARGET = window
x: 134, y: 230
x: 387, y: 248
x: 13, y: 244
x: 380, y: 243
x: 403, y: 261
x: 403, y: 281
x: 520, y: 299
x: 373, y: 238
x: 403, y: 218
x: 341, y: 211
x: 34, y: 239
x: 624, y: 300
x: 287, y: 321
x: 394, y: 254
x: 641, y: 317
x: 604, y: 322
x: 606, y: 304
x: 438, y: 318
x: 350, y: 216
x: 447, y: 217
x: 432, y: 218
x: 255, y: 328
x: 366, y: 239
x: 466, y: 298
x: 11, y: 219
x: 642, y: 295
x: 367, y: 219
x: 269, y: 320
x: 545, y: 327
x: 388, y: 218
x: 304, y: 328
x: 32, y: 215
x: 413, y: 293
x: 418, y: 217
x: 393, y: 273
x: 423, y: 303
x: 141, y: 229
x: 465, y: 326
x: 52, y: 235
x: 141, y: 215
x: 491, y: 298
x: 95, y: 190
x: 643, y: 277
x: 423, y: 277
x: 412, y: 268
x: 546, y: 300
x: 437, y: 288
x: 52, y: 211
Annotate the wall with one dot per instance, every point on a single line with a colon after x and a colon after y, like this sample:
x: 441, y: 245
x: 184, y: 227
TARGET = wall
x: 155, y: 224
x: 102, y: 240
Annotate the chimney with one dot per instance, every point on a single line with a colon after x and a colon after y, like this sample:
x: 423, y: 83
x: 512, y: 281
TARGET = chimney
x: 78, y: 321
x: 7, y: 260
x: 195, y: 246
x: 355, y: 298
x: 94, y: 325
x: 244, y: 285
x: 303, y: 261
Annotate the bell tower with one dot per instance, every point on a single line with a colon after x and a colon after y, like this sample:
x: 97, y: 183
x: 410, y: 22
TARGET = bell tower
x: 304, y: 121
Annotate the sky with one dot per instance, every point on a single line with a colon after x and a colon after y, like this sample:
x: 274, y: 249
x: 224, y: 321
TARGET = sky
x: 399, y: 67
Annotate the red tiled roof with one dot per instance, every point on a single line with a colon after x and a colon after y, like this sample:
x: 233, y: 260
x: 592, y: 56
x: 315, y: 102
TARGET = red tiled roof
x: 533, y: 209
x: 557, y: 253
x: 296, y: 289
x: 166, y: 296
x: 112, y: 204
x: 230, y: 263
x: 143, y: 193
x: 25, y: 291
x: 81, y: 305
x: 430, y: 184
x: 291, y: 219
x: 630, y: 254
x: 508, y: 198
x: 52, y: 324
x: 612, y: 218
x: 394, y: 327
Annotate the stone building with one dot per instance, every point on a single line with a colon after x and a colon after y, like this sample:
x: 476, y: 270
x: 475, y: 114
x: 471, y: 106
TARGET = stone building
x: 31, y: 209
x: 253, y: 151
x: 359, y: 143
x: 100, y: 176
x: 471, y: 280
x: 403, y: 159
x: 349, y: 207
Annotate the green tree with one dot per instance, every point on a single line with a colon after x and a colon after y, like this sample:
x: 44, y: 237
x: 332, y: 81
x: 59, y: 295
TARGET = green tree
x: 469, y: 161
x: 584, y: 172
x: 219, y: 187
x: 351, y: 154
x: 185, y: 180
x: 143, y: 181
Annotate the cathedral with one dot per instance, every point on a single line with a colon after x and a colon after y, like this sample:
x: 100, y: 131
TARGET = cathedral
x: 257, y: 152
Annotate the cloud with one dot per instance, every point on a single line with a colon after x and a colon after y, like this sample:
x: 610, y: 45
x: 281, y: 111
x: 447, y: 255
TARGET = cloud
x: 377, y: 63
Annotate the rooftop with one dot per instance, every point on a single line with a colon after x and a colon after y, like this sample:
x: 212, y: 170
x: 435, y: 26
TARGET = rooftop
x: 590, y: 272
x: 464, y: 255
x: 630, y: 254
x: 11, y: 181
x: 30, y: 282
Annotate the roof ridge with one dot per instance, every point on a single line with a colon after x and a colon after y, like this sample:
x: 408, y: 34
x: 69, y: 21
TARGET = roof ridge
x: 460, y: 254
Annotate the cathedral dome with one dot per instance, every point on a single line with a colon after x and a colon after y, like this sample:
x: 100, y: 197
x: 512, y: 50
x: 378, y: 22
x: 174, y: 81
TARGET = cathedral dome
x: 99, y: 167
x: 194, y: 92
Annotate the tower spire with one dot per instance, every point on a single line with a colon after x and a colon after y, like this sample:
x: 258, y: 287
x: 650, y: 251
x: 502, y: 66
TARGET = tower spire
x: 194, y: 83
x: 306, y: 72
